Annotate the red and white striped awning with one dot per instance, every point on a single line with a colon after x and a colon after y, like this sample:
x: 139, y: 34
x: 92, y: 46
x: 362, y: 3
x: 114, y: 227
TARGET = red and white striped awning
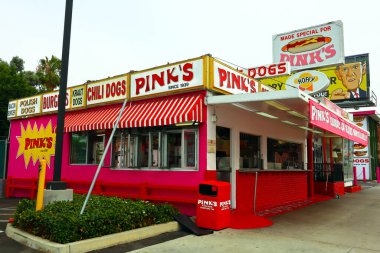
x: 91, y: 119
x: 163, y: 111
x: 155, y: 112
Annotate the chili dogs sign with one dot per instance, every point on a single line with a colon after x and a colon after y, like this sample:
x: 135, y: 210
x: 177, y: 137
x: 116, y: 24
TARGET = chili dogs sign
x: 167, y: 79
x: 328, y: 120
x: 107, y: 90
x: 310, y: 47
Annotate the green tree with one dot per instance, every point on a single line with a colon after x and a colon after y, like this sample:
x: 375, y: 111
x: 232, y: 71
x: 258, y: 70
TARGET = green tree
x: 14, y: 84
x: 17, y: 63
x: 48, y: 72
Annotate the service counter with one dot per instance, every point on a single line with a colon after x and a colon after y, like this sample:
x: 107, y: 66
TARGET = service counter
x: 264, y: 189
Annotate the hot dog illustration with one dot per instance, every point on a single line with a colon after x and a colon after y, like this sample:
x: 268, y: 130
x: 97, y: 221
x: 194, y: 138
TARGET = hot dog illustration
x: 306, y: 44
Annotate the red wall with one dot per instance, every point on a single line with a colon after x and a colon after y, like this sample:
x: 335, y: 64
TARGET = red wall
x: 331, y: 189
x: 274, y: 188
x: 19, y: 167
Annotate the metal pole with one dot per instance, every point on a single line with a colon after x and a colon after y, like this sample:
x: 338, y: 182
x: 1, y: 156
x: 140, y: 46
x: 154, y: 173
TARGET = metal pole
x: 57, y: 184
x: 364, y: 175
x: 355, y: 177
x: 254, y: 196
x: 310, y: 160
x: 103, y: 156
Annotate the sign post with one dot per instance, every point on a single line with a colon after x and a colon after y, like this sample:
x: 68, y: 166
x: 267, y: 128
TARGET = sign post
x: 56, y: 184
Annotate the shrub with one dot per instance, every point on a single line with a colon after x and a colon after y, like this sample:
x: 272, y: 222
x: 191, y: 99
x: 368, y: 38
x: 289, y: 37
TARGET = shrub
x: 60, y: 221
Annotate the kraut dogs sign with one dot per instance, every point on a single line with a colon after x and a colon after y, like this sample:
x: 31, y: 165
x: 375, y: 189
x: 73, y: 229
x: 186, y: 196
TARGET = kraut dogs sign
x: 310, y: 47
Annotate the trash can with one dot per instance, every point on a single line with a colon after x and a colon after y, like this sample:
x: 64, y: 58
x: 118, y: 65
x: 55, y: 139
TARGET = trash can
x: 213, y: 205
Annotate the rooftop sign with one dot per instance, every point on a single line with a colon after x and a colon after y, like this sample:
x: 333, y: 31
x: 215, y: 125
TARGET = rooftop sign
x: 310, y: 47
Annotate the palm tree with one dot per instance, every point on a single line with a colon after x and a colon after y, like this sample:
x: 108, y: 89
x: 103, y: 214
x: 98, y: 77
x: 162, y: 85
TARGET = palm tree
x: 48, y: 72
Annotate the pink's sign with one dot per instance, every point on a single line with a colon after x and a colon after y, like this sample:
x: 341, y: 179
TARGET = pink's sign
x: 329, y: 121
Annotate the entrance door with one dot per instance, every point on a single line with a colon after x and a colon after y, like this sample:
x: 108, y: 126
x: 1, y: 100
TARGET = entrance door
x: 223, y: 154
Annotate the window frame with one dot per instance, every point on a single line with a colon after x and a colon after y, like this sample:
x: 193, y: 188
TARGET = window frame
x: 131, y: 150
x: 259, y: 152
x: 87, y: 135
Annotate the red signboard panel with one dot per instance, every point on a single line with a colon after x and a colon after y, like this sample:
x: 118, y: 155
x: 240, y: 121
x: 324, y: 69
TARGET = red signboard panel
x: 329, y: 121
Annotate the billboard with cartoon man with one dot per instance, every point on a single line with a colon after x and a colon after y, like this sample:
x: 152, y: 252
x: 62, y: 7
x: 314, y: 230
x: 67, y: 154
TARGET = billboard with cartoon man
x: 349, y: 81
x: 351, y: 77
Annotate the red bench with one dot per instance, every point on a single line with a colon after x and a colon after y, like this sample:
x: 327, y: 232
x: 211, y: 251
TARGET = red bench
x: 23, y: 184
x: 123, y: 190
x: 172, y: 193
x: 81, y: 186
x: 143, y: 191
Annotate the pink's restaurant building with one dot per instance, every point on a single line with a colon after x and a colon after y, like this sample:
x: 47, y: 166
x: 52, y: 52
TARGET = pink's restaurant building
x: 183, y: 123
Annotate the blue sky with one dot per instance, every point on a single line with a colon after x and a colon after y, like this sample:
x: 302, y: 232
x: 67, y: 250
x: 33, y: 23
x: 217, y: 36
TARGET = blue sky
x: 114, y: 36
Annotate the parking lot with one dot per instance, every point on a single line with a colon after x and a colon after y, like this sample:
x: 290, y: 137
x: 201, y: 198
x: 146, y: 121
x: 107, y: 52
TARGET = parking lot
x: 7, y: 208
x: 348, y: 224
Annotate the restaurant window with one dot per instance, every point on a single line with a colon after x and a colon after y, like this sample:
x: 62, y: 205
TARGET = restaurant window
x: 156, y: 149
x: 284, y: 155
x: 143, y: 147
x: 155, y: 154
x: 190, y: 148
x: 250, y: 152
x: 124, y: 150
x: 86, y: 147
x: 172, y: 149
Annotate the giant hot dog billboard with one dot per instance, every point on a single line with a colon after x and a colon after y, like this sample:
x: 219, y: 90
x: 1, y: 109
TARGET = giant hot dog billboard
x: 310, y: 47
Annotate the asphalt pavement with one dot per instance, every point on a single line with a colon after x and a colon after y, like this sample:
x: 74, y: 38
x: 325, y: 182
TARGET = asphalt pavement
x: 348, y: 224
x: 7, y: 245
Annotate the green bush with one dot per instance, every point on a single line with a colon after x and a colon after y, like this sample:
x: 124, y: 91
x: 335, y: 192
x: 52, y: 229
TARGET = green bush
x: 60, y: 221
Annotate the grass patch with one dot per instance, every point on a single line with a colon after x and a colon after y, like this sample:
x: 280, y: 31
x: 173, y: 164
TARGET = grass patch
x: 60, y: 221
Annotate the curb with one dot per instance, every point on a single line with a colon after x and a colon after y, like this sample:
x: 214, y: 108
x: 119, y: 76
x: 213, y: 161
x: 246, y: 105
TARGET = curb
x: 97, y: 243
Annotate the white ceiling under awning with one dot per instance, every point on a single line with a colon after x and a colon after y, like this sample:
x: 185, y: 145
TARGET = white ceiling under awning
x: 287, y: 106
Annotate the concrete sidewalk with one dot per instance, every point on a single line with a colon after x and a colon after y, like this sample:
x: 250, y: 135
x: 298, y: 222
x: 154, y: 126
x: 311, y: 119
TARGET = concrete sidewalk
x: 349, y: 224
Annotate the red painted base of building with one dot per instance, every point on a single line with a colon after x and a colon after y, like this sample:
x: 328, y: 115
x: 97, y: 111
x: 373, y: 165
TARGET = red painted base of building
x: 247, y: 220
x: 354, y: 188
x: 329, y: 189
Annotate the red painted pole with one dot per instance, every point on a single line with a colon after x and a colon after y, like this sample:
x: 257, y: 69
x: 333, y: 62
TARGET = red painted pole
x: 378, y: 175
x: 364, y: 177
x: 355, y: 177
x: 310, y: 163
x: 324, y: 156
x: 331, y: 153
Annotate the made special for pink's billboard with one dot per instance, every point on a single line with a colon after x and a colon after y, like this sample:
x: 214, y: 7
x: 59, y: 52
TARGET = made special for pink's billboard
x: 31, y: 140
x: 310, y: 47
x: 329, y: 121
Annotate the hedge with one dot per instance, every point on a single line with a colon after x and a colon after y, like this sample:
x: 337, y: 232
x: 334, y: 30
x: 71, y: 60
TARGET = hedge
x: 60, y: 221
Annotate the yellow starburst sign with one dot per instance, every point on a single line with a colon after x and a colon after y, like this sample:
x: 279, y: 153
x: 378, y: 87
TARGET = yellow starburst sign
x: 36, y: 143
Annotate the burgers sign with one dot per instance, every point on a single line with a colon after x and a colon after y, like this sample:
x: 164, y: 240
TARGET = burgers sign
x: 310, y: 47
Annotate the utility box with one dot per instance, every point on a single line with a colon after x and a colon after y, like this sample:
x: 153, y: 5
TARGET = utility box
x: 213, y: 205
